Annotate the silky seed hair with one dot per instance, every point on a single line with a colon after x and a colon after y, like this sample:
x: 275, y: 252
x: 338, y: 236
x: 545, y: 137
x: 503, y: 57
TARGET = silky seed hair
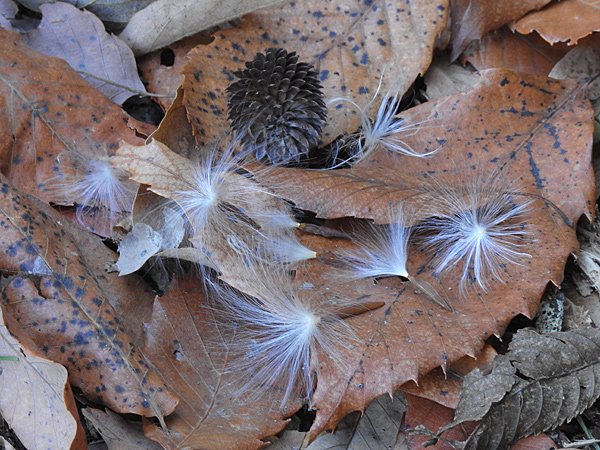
x: 476, y: 230
x: 276, y: 106
x: 93, y: 185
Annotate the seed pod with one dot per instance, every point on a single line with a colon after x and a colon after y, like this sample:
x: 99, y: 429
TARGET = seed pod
x: 277, y: 106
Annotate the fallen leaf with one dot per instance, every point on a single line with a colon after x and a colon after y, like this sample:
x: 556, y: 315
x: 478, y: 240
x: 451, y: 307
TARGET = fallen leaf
x: 565, y: 21
x: 472, y: 20
x: 542, y: 381
x: 580, y: 63
x: 504, y: 49
x: 116, y: 12
x: 444, y: 78
x: 87, y: 47
x: 117, y: 433
x: 65, y: 307
x: 186, y: 346
x: 35, y: 396
x: 166, y: 21
x: 161, y: 68
x: 547, y: 110
x: 46, y: 109
x: 352, y: 45
x: 550, y: 115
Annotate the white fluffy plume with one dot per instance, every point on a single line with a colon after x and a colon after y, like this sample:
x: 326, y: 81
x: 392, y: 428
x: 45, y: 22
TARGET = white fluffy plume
x: 277, y: 336
x: 478, y: 229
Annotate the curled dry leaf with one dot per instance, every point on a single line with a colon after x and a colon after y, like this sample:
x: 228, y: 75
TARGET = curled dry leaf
x: 558, y: 378
x: 565, y: 21
x: 504, y: 49
x: 65, y: 303
x: 350, y: 44
x: 166, y: 21
x: 35, y: 396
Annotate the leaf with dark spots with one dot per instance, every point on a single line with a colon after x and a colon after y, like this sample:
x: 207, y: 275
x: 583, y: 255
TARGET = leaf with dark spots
x: 46, y: 108
x: 185, y: 342
x: 62, y: 299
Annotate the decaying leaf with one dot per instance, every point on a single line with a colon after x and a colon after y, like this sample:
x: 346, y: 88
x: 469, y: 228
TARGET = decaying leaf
x: 543, y: 381
x: 118, y: 433
x: 171, y: 20
x: 504, y: 49
x: 565, y: 21
x: 35, y: 396
x: 87, y: 47
x: 352, y: 45
x: 65, y: 303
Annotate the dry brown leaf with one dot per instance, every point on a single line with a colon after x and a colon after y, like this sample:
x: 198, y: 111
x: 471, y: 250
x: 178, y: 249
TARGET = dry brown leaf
x: 564, y: 21
x: 473, y: 20
x: 35, y: 396
x: 350, y: 44
x: 64, y: 300
x: 444, y: 78
x: 117, y: 433
x: 186, y: 347
x: 161, y: 68
x: 528, y: 128
x: 503, y: 49
x: 547, y: 135
x: 166, y: 21
x: 423, y: 411
x: 45, y: 109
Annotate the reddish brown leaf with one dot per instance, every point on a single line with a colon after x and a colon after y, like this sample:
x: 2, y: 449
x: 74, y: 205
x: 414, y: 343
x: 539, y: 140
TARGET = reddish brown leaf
x: 503, y: 49
x: 528, y: 128
x: 547, y: 149
x: 63, y: 301
x: 350, y: 45
x: 565, y: 21
x: 187, y: 348
x: 472, y: 20
x: 45, y: 109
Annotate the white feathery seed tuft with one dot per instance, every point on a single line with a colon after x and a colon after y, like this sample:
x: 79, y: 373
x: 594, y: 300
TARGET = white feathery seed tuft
x: 277, y: 336
x: 477, y: 229
x: 94, y: 185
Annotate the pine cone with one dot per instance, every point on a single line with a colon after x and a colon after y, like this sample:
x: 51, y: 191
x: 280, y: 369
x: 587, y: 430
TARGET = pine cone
x: 277, y: 106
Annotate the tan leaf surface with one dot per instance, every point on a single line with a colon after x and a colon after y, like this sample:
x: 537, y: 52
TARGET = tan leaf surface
x: 45, y: 109
x: 35, y: 396
x: 349, y: 44
x: 185, y: 346
x: 64, y: 302
x: 166, y: 21
x: 504, y: 49
x: 444, y: 78
x: 565, y: 21
x: 472, y: 20
x: 117, y: 433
